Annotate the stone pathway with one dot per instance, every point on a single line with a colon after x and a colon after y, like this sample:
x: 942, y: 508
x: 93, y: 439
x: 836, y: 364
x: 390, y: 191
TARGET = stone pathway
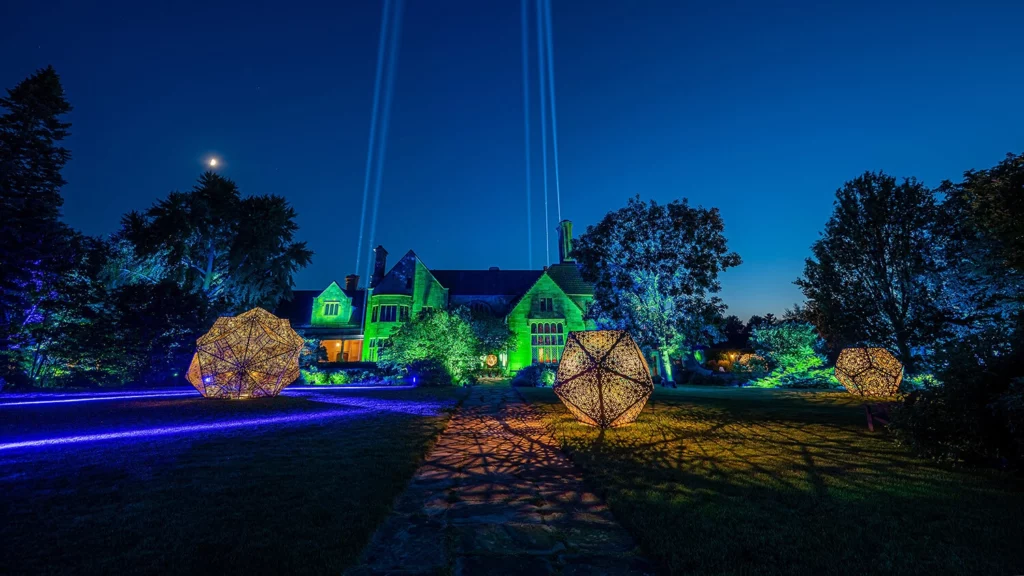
x: 496, y: 496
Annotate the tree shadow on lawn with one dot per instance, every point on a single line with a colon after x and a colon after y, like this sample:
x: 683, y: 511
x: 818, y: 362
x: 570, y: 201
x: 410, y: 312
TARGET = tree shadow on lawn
x: 788, y: 482
x: 263, y: 500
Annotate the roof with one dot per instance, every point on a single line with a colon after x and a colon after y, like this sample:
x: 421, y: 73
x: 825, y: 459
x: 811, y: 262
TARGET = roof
x: 400, y: 278
x: 299, y: 309
x: 487, y: 282
x: 569, y: 279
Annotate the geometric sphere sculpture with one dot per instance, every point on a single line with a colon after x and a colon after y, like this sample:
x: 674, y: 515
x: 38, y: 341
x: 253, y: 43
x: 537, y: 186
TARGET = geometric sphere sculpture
x: 869, y: 371
x: 246, y: 356
x: 603, y: 378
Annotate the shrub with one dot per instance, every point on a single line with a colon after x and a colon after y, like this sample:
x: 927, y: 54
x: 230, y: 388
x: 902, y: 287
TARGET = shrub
x: 338, y: 377
x: 314, y: 376
x: 821, y: 377
x: 428, y: 372
x: 976, y: 414
x: 790, y: 346
x: 445, y: 337
x: 538, y: 375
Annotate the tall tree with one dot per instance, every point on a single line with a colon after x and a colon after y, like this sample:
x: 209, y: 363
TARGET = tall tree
x: 33, y: 240
x: 981, y: 247
x: 867, y: 280
x: 238, y: 252
x: 734, y: 331
x: 655, y: 273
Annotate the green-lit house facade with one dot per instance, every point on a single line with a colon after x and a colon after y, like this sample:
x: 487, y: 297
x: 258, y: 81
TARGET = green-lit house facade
x: 540, y: 306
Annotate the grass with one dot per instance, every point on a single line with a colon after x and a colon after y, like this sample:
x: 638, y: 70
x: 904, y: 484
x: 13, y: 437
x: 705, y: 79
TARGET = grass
x: 270, y: 500
x: 727, y: 481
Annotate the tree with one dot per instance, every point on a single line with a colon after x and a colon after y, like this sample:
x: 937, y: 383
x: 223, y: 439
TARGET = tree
x: 981, y: 249
x: 492, y: 333
x: 238, y: 252
x: 790, y: 346
x: 976, y: 411
x: 867, y: 280
x: 435, y: 336
x: 734, y: 331
x: 655, y: 273
x: 33, y: 240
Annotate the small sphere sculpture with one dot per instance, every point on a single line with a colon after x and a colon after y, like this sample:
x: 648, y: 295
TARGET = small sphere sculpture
x: 869, y: 371
x: 603, y: 378
x: 246, y: 356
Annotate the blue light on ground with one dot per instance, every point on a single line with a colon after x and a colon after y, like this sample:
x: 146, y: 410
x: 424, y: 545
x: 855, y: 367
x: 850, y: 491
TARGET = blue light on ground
x: 138, y: 405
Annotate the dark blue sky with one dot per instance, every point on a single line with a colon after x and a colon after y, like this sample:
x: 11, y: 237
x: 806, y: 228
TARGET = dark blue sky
x: 759, y: 108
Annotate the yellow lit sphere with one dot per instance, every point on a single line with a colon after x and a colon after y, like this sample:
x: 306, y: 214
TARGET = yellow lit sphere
x: 603, y: 378
x: 869, y: 371
x: 491, y: 360
x: 246, y: 356
x: 213, y: 162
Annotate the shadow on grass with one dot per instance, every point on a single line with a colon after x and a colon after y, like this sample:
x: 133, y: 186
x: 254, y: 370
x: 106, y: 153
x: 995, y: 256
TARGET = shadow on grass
x: 737, y: 481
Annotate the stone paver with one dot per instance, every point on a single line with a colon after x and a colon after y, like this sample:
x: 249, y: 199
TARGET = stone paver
x: 497, y: 496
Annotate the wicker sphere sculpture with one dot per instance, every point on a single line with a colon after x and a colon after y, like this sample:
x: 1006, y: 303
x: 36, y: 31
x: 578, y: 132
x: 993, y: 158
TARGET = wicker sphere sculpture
x: 246, y: 356
x: 869, y: 371
x: 603, y: 378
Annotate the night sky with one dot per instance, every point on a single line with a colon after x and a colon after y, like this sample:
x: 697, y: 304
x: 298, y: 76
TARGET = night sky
x: 759, y: 108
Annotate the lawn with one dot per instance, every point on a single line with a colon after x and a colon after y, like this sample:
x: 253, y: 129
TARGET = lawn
x: 730, y: 481
x: 294, y: 496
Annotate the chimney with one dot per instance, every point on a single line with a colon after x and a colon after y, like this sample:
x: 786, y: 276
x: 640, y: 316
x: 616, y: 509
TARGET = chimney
x: 380, y: 257
x: 351, y: 282
x: 565, y: 242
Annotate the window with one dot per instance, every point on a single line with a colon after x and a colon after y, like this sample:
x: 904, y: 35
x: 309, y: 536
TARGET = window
x: 375, y: 313
x: 388, y: 313
x: 376, y: 345
x: 352, y: 351
x: 546, y: 341
x: 546, y: 305
x: 331, y: 308
x: 403, y: 313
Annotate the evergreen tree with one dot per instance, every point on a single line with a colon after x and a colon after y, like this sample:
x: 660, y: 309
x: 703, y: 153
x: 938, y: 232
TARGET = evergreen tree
x: 655, y: 273
x: 867, y: 282
x: 34, y: 243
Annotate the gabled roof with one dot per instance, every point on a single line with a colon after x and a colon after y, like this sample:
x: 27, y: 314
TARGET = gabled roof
x: 569, y: 279
x: 487, y: 282
x: 299, y: 310
x: 399, y: 280
x: 519, y: 299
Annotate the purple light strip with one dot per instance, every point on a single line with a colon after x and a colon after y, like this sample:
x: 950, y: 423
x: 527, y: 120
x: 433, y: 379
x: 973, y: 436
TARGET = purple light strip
x: 341, y: 387
x: 172, y: 430
x: 100, y: 398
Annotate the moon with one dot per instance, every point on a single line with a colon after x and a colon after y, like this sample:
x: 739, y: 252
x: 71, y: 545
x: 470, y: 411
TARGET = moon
x: 213, y: 162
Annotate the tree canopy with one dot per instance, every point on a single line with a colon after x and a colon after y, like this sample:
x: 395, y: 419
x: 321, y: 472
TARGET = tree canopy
x: 234, y: 250
x: 867, y: 280
x: 655, y: 272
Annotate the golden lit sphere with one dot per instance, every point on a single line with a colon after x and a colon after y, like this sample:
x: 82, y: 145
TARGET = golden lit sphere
x: 603, y: 378
x: 246, y: 356
x: 869, y: 371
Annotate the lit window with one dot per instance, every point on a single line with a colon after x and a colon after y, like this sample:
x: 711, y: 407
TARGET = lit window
x: 331, y: 308
x: 546, y: 341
